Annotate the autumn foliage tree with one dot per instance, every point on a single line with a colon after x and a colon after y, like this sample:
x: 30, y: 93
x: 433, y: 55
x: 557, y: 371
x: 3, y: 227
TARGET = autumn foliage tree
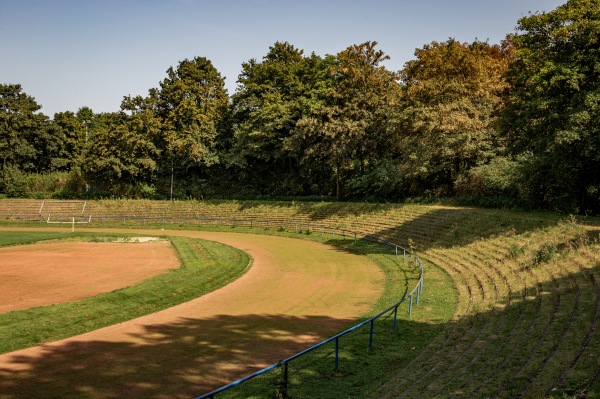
x: 452, y: 95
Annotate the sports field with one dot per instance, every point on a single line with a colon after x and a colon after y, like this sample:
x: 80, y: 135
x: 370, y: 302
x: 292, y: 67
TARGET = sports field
x: 510, y: 308
x: 294, y: 294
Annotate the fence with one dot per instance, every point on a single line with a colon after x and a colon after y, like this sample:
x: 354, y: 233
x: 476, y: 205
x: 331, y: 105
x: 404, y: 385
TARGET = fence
x: 412, y: 297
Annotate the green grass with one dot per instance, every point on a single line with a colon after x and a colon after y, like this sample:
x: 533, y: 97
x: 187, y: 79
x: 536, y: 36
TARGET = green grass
x: 205, y: 266
x: 20, y: 237
x: 362, y: 369
x: 523, y: 316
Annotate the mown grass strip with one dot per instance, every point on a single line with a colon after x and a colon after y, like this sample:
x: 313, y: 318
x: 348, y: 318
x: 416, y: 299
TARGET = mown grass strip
x: 23, y: 237
x: 206, y: 266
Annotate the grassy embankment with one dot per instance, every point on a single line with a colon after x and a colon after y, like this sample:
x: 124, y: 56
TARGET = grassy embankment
x: 527, y: 309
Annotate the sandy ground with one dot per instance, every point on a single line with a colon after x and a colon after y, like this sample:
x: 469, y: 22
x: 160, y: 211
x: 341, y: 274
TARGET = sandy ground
x: 47, y: 273
x: 295, y: 294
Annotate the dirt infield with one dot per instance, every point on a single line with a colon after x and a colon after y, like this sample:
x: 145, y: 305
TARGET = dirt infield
x: 295, y: 294
x: 48, y: 273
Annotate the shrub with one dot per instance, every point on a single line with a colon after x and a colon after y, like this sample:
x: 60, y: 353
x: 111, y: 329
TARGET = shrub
x: 497, y: 179
x: 516, y: 250
x: 545, y: 254
x: 13, y: 182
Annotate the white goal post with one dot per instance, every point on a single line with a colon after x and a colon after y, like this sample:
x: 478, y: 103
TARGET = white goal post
x: 67, y: 211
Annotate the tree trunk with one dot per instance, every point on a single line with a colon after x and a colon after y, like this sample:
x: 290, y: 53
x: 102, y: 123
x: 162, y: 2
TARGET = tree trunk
x: 337, y: 183
x: 171, y: 180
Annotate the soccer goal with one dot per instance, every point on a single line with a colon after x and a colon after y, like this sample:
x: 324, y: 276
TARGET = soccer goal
x: 71, y: 212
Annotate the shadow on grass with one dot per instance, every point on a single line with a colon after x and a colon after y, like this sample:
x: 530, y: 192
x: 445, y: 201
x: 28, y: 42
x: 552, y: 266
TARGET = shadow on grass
x: 431, y: 226
x: 449, y: 227
x: 184, y: 359
x: 317, y: 211
x: 543, y: 345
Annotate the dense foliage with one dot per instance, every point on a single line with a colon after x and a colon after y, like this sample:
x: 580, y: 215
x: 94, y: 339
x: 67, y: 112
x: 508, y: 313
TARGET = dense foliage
x: 508, y: 123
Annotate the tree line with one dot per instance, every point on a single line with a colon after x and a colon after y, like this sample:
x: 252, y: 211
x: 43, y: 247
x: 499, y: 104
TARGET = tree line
x: 509, y: 123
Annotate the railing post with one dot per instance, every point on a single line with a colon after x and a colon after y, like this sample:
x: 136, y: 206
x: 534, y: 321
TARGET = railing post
x: 337, y: 353
x: 285, y: 379
x: 395, y: 318
x: 371, y: 334
x: 410, y: 305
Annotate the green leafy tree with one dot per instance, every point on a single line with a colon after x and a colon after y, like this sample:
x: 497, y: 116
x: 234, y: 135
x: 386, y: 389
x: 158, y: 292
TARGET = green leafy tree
x: 348, y: 130
x: 192, y: 103
x: 552, y: 118
x: 28, y: 139
x: 74, y: 133
x: 121, y: 158
x: 271, y: 98
x: 452, y: 95
x: 172, y: 132
x: 18, y: 125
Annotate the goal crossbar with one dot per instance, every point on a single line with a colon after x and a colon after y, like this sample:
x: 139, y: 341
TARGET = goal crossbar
x: 64, y: 211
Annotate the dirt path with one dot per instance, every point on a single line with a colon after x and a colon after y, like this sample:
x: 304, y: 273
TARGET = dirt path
x: 295, y: 294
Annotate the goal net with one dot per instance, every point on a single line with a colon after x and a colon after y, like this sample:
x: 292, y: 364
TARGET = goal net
x: 64, y: 212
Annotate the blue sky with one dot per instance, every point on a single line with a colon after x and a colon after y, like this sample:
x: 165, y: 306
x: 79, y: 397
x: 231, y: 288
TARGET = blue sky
x: 73, y: 53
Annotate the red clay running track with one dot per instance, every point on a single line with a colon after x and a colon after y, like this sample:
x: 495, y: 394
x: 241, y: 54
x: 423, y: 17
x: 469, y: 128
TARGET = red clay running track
x: 295, y: 294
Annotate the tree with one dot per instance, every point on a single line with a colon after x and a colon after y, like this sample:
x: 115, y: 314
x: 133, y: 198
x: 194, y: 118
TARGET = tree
x: 348, y: 129
x: 122, y: 156
x: 552, y: 118
x: 266, y: 107
x: 28, y: 140
x: 191, y: 102
x: 452, y: 95
x: 75, y: 134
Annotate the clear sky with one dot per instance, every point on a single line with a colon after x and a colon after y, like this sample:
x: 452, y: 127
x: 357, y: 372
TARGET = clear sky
x: 73, y: 53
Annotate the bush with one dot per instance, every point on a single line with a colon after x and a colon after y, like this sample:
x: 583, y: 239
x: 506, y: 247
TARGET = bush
x: 498, y: 179
x: 381, y: 181
x: 545, y: 254
x: 13, y: 182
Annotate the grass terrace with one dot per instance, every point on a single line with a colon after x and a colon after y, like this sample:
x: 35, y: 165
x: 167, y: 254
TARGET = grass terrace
x: 525, y: 310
